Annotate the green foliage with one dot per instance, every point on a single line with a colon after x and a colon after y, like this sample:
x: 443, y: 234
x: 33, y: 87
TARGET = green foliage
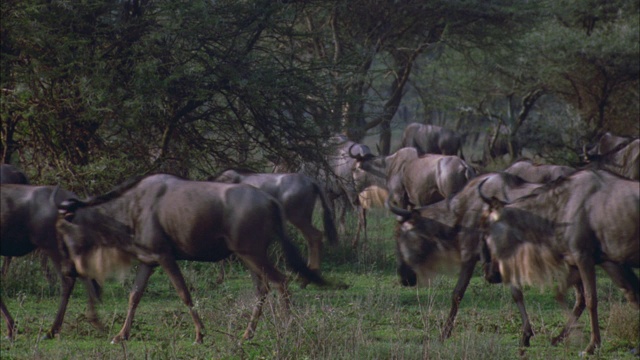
x: 190, y: 88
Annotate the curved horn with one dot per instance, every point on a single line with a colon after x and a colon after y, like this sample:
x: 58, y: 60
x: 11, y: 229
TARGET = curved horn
x: 493, y: 199
x: 405, y: 214
x: 357, y: 156
x: 585, y: 156
x: 52, y: 198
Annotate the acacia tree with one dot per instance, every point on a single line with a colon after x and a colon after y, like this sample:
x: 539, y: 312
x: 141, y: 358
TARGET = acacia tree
x: 374, y: 45
x: 590, y: 52
x: 139, y: 86
x: 584, y: 58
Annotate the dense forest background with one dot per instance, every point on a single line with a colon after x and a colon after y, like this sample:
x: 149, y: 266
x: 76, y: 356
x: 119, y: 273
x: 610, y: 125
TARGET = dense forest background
x: 94, y: 92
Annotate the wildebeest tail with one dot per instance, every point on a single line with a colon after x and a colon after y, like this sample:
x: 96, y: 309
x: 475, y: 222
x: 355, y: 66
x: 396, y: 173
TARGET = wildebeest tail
x: 295, y: 261
x: 327, y: 215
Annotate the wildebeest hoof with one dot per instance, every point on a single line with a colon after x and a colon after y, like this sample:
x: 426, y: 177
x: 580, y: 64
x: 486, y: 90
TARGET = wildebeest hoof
x: 97, y: 325
x: 248, y: 335
x: 556, y: 340
x: 118, y: 339
x: 47, y: 336
x: 303, y: 284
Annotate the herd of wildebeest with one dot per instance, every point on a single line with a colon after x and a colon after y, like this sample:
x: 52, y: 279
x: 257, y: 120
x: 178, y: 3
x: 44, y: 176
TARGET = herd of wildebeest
x: 530, y: 224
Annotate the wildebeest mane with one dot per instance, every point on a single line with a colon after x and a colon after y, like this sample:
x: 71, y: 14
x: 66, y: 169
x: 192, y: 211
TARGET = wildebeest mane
x: 241, y: 171
x: 71, y: 204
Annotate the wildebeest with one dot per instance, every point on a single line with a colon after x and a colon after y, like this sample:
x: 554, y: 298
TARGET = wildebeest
x: 587, y: 219
x: 618, y: 154
x: 160, y: 219
x: 414, y: 180
x: 337, y: 177
x: 447, y: 236
x: 500, y: 142
x: 28, y: 215
x: 297, y: 193
x: 10, y: 174
x: 538, y: 173
x: 432, y: 139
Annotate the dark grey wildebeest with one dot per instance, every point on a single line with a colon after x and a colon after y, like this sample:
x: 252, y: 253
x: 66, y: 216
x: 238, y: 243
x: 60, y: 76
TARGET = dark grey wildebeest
x: 160, y: 219
x: 28, y: 217
x: 538, y: 173
x: 297, y: 193
x: 618, y: 154
x: 447, y: 237
x: 10, y: 174
x: 432, y: 139
x: 587, y: 219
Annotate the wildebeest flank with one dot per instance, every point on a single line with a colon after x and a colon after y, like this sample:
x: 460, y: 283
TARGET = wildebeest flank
x: 160, y: 219
x: 10, y: 174
x: 413, y: 180
x: 586, y: 219
x: 28, y: 216
x: 297, y: 193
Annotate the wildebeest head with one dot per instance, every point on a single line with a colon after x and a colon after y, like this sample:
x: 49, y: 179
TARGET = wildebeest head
x: 425, y: 243
x: 618, y: 154
x: 606, y: 144
x: 91, y: 251
x: 520, y: 244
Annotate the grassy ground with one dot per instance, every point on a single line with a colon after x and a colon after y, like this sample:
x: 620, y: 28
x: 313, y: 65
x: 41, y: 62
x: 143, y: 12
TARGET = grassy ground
x: 375, y: 318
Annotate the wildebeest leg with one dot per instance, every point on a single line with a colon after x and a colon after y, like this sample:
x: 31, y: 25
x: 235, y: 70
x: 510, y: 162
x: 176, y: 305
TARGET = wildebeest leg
x: 262, y: 290
x: 362, y: 226
x: 5, y: 264
x: 175, y: 275
x: 527, y: 331
x: 625, y: 278
x: 67, y: 288
x: 463, y: 281
x: 8, y: 319
x: 221, y: 271
x: 263, y: 273
x: 586, y: 267
x: 313, y: 237
x: 93, y: 292
x: 578, y: 308
x: 314, y: 245
x: 142, y: 278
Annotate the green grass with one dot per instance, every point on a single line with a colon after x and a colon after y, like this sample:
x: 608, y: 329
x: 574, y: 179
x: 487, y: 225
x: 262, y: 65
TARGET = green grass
x: 374, y: 318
